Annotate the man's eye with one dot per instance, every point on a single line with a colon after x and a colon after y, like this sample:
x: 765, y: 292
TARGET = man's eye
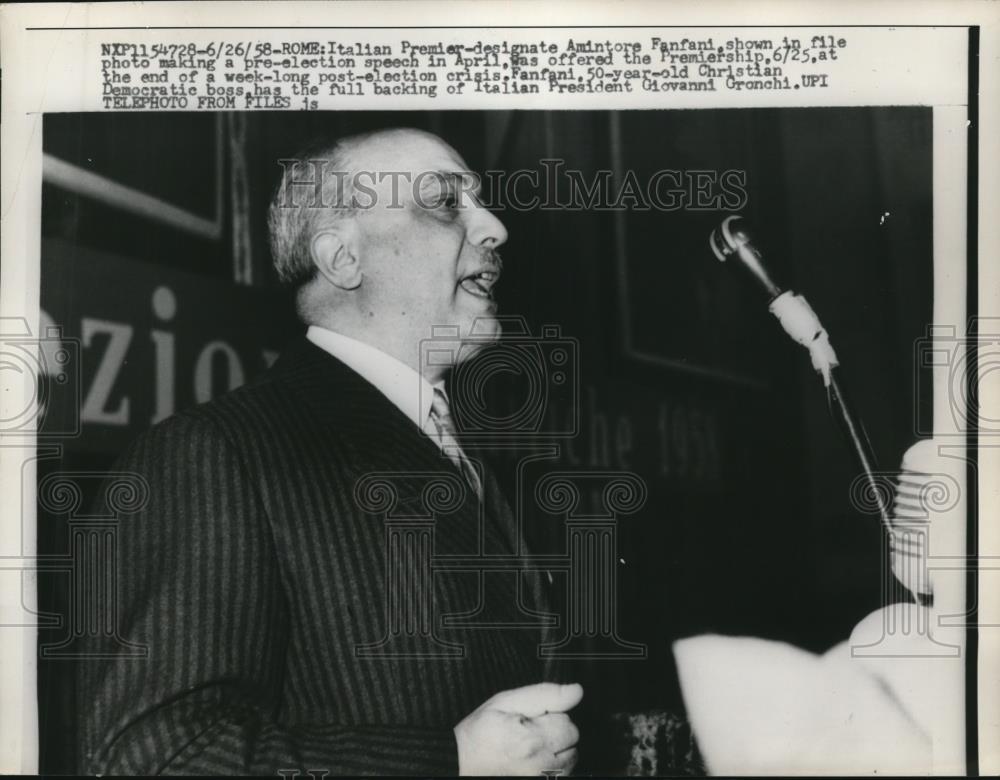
x: 448, y: 201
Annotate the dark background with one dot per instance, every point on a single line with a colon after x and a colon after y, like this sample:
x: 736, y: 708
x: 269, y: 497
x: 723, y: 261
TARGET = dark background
x: 748, y: 527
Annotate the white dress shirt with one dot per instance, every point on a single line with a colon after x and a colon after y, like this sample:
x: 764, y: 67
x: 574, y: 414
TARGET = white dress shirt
x: 408, y: 389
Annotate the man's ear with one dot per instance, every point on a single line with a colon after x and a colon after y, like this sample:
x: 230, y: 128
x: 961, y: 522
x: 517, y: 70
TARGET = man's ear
x: 335, y: 255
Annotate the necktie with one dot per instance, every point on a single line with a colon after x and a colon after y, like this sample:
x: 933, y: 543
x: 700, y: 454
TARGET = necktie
x: 444, y: 428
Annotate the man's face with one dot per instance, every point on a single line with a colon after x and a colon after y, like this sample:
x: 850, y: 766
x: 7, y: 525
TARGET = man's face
x: 427, y: 246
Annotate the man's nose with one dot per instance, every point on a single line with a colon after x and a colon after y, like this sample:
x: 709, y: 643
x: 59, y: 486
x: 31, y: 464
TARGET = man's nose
x: 484, y: 227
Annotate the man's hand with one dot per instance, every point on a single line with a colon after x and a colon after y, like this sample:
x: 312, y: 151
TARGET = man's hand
x: 524, y: 731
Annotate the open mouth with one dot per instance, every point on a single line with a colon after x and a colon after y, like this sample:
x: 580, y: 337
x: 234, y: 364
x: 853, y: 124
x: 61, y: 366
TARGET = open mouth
x: 480, y: 284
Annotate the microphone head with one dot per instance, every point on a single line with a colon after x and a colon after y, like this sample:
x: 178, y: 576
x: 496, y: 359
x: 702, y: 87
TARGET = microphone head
x: 731, y: 238
x: 927, y: 507
x: 728, y: 237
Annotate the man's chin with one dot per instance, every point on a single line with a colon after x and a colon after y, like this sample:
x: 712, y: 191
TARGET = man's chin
x: 484, y: 329
x: 484, y: 332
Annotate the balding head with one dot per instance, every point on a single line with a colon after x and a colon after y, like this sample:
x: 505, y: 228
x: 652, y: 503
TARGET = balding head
x: 320, y: 185
x: 384, y: 239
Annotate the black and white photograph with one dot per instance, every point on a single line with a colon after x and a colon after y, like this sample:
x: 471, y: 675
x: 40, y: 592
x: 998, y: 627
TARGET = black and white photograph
x: 434, y: 438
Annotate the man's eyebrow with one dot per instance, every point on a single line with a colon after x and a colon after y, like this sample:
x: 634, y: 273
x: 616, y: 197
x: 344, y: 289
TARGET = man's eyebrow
x: 475, y: 182
x: 465, y: 180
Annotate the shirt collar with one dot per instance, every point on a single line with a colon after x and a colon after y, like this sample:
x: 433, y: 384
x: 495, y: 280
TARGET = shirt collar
x: 408, y: 389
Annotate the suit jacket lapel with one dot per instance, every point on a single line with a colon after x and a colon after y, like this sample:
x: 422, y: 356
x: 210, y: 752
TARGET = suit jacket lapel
x: 386, y: 440
x: 338, y: 397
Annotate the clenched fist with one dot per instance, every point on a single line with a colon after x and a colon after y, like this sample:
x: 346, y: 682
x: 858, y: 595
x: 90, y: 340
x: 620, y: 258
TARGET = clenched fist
x: 524, y: 731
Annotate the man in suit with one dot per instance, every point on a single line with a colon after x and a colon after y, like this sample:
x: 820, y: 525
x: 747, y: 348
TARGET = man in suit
x: 259, y: 574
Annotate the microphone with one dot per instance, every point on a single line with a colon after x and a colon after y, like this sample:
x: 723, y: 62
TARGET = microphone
x: 731, y: 240
x: 927, y: 512
x: 926, y: 482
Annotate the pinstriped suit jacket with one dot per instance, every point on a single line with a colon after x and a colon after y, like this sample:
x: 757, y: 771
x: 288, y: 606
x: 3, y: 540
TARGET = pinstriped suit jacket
x: 254, y: 576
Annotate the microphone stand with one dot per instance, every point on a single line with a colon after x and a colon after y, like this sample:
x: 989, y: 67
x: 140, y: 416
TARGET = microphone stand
x: 730, y: 240
x: 857, y: 438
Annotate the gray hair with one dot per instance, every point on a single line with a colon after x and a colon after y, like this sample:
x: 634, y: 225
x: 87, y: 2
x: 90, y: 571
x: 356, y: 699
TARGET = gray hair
x: 314, y: 192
